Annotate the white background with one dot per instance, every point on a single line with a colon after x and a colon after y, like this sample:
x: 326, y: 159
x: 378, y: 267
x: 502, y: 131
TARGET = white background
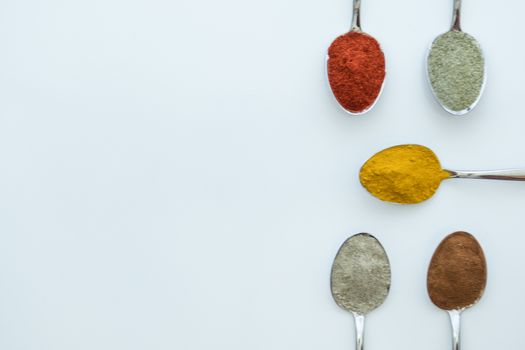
x: 177, y: 175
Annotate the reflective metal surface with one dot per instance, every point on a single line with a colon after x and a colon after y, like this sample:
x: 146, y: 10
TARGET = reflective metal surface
x: 455, y: 321
x: 356, y: 17
x: 456, y: 16
x: 359, y: 331
x: 508, y: 174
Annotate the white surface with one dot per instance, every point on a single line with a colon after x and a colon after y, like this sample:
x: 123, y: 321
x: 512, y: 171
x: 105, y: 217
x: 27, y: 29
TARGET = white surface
x: 176, y: 175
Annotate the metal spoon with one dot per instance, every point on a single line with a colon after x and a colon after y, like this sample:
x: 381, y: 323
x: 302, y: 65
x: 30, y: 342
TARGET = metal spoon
x: 457, y: 276
x: 415, y: 166
x: 456, y: 68
x: 354, y: 107
x: 360, y: 278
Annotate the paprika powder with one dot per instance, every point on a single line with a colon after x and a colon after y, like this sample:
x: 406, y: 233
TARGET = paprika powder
x: 356, y: 71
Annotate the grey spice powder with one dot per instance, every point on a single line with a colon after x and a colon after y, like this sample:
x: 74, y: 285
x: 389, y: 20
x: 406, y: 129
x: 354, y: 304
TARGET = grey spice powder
x: 456, y: 69
x: 360, y: 274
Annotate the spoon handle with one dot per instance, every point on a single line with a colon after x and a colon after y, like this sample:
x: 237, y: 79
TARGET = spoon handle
x: 356, y: 17
x: 359, y: 331
x: 509, y: 174
x: 455, y: 320
x: 456, y: 16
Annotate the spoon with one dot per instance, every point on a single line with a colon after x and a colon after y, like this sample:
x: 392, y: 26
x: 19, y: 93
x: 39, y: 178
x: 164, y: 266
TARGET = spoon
x: 456, y: 68
x: 410, y: 174
x: 457, y: 276
x: 360, y: 278
x: 356, y: 68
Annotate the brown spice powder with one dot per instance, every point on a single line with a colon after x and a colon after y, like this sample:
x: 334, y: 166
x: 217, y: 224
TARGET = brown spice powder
x: 457, y: 274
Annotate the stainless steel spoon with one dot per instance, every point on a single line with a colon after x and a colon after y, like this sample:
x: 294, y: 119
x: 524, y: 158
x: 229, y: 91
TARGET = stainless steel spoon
x: 360, y: 279
x: 456, y: 68
x: 351, y: 63
x: 457, y: 276
x: 422, y: 168
x: 506, y: 174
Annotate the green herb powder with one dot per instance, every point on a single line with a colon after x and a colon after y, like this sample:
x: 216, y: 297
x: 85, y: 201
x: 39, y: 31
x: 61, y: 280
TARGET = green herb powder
x: 456, y: 69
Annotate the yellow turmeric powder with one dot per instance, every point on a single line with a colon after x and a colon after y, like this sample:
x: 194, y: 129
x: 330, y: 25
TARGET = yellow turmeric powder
x: 404, y: 174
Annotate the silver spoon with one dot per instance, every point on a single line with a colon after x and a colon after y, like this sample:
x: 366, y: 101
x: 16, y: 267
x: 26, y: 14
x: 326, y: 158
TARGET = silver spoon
x: 344, y: 60
x: 507, y: 174
x: 360, y: 279
x: 457, y: 276
x: 420, y: 165
x: 456, y: 68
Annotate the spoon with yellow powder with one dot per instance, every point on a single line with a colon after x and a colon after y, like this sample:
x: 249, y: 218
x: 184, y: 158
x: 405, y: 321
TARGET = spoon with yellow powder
x: 410, y: 174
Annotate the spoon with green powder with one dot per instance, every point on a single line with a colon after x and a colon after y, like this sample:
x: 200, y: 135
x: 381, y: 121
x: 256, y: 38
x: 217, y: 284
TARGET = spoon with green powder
x: 456, y: 68
x: 360, y: 278
x: 410, y: 174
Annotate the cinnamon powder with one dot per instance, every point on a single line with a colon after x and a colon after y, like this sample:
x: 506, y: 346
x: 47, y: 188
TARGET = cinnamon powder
x: 356, y: 70
x: 457, y: 273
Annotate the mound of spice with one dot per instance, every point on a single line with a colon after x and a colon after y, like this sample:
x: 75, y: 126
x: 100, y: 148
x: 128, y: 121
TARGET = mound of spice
x: 456, y: 70
x: 457, y: 274
x: 361, y: 275
x: 406, y: 174
x: 356, y: 71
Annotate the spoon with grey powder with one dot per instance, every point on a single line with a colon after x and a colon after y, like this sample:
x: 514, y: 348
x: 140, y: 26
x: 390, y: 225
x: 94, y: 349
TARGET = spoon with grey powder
x: 457, y: 277
x: 360, y: 278
x: 456, y: 68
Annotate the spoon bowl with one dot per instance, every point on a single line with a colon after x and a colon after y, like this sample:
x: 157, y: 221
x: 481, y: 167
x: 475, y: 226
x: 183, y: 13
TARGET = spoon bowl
x: 360, y: 278
x: 355, y: 67
x: 403, y: 174
x: 457, y: 276
x: 456, y: 68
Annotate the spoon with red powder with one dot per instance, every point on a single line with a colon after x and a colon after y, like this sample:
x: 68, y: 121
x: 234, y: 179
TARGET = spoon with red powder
x: 356, y: 68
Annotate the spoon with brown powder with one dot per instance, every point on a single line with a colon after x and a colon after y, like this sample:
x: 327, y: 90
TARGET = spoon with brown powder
x: 457, y: 276
x: 410, y: 174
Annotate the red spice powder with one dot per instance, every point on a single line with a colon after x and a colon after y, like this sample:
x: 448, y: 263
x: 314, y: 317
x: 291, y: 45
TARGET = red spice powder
x: 356, y: 70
